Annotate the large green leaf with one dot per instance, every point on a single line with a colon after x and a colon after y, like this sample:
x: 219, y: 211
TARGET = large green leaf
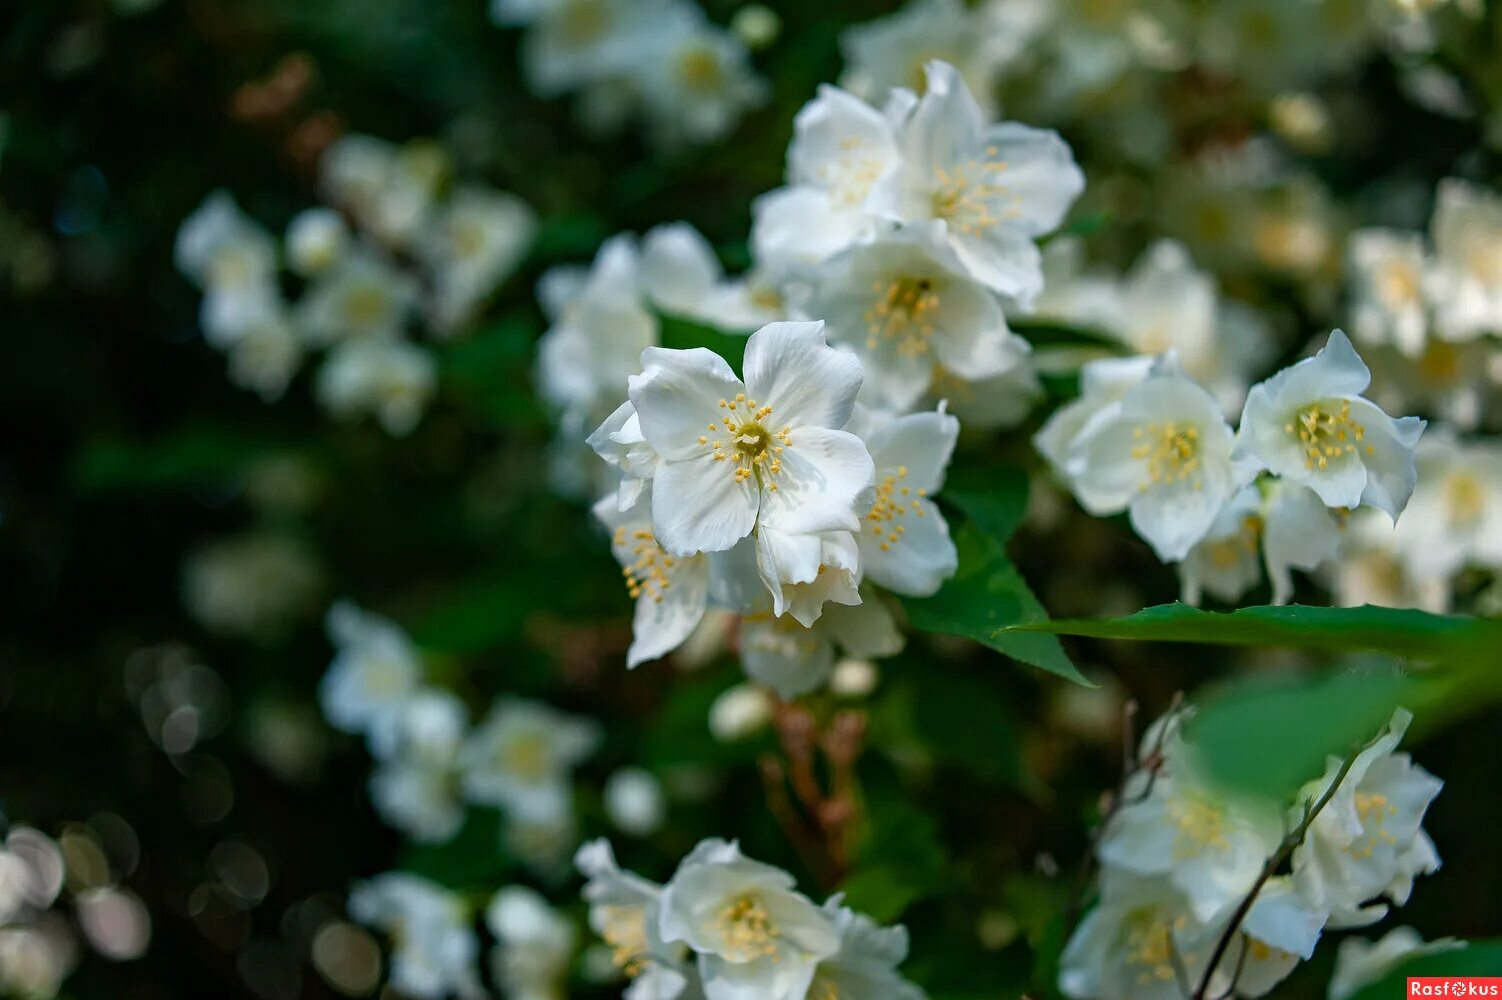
x: 1478, y: 958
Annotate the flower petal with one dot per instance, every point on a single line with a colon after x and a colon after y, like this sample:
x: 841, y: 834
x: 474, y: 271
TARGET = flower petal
x: 825, y: 483
x: 697, y: 506
x: 677, y: 396
x: 790, y: 368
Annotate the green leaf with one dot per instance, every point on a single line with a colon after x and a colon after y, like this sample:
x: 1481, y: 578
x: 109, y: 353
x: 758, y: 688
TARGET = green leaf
x: 1403, y: 632
x: 1478, y: 958
x: 193, y: 456
x: 986, y: 595
x: 681, y: 333
x: 963, y: 722
x: 881, y: 893
x: 1045, y: 334
x: 1270, y: 737
x: 994, y: 498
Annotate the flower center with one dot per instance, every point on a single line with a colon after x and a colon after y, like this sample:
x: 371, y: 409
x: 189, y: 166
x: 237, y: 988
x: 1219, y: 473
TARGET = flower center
x: 1327, y: 433
x: 1149, y: 945
x: 1464, y: 498
x: 583, y: 21
x: 625, y: 933
x: 526, y: 755
x: 746, y: 929
x: 1200, y: 825
x: 364, y: 305
x: 1170, y: 451
x: 1398, y: 284
x: 647, y: 573
x: 892, y: 504
x: 1373, y: 809
x: 966, y: 195
x: 903, y: 312
x: 748, y: 445
x: 824, y: 988
x: 699, y: 69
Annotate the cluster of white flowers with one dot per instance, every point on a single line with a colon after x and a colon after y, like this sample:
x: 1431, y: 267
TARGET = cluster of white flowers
x: 1180, y: 856
x: 725, y: 927
x: 431, y: 764
x: 397, y: 250
x: 1146, y: 438
x: 435, y: 947
x: 661, y: 60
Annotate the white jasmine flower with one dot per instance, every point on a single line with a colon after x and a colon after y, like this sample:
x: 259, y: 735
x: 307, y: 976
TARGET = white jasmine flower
x: 696, y: 79
x: 220, y: 245
x: 620, y: 443
x: 996, y: 188
x: 473, y: 244
x: 375, y: 671
x: 739, y: 711
x: 682, y: 276
x: 894, y: 51
x: 521, y: 757
x: 534, y: 945
x: 1360, y: 963
x: 905, y: 304
x: 1369, y: 571
x: 794, y: 659
x: 904, y: 540
x: 434, y: 948
x: 634, y: 801
x: 1162, y: 452
x: 1310, y: 424
x: 1368, y: 840
x: 1455, y: 515
x: 1102, y: 383
x: 754, y: 934
x: 389, y: 190
x: 1465, y: 281
x: 1299, y: 532
x: 805, y: 571
x: 1225, y: 562
x: 363, y: 297
x: 1387, y: 270
x: 866, y: 963
x: 265, y: 355
x: 415, y: 788
x: 574, y: 43
x: 625, y: 911
x: 390, y: 379
x: 1279, y: 931
x: 316, y: 240
x: 765, y: 452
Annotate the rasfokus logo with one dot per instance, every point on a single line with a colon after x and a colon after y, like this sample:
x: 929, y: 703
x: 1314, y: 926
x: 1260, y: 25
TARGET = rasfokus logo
x: 1454, y: 986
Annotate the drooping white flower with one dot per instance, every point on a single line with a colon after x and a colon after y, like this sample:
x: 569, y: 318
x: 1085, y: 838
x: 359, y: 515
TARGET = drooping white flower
x: 1298, y: 532
x: 1162, y: 452
x: 1455, y: 515
x: 996, y: 187
x: 804, y: 572
x: 415, y: 788
x: 316, y: 240
x: 867, y: 960
x: 1360, y: 963
x: 767, y: 451
x: 1310, y: 424
x: 624, y: 910
x: 1368, y: 841
x: 521, y: 758
x: 474, y: 242
x: 904, y: 304
x: 363, y: 297
x: 375, y: 671
x: 904, y: 540
x: 754, y: 934
x: 1465, y: 280
x: 389, y: 379
x: 1225, y: 562
x: 534, y: 944
x: 434, y: 948
x: 1387, y: 273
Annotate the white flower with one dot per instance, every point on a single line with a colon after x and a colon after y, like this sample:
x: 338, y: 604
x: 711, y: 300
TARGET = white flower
x: 624, y: 910
x: 756, y: 937
x: 1455, y: 516
x: 1310, y: 424
x: 36, y: 958
x: 1387, y: 271
x: 995, y: 187
x: 255, y: 585
x: 904, y: 540
x: 794, y: 659
x: 671, y: 592
x: 620, y: 443
x: 388, y: 189
x: 1225, y: 562
x: 894, y: 51
x: 1299, y: 532
x: 391, y: 379
x: 905, y: 304
x: 573, y: 43
x: 634, y: 801
x: 521, y: 757
x: 1102, y: 383
x: 375, y: 671
x: 534, y: 944
x: 415, y: 788
x: 265, y: 355
x: 682, y: 276
x: 316, y: 240
x: 765, y: 452
x: 1465, y: 281
x: 1360, y: 963
x: 696, y: 78
x: 1281, y: 929
x: 434, y: 948
x: 1369, y: 571
x: 1368, y: 841
x: 364, y: 296
x: 866, y: 964
x: 218, y: 245
x: 1162, y: 452
x: 475, y: 241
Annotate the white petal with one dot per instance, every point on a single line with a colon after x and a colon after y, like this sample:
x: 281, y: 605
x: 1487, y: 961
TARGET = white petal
x: 697, y: 506
x: 919, y: 561
x: 678, y: 395
x: 972, y: 339
x: 825, y: 483
x: 806, y: 382
x: 920, y: 443
x: 1041, y: 178
x: 678, y: 267
x: 664, y: 619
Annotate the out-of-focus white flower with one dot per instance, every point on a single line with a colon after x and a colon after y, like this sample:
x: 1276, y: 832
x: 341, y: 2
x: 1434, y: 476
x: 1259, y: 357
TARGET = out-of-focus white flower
x: 36, y: 958
x: 218, y: 244
x: 1360, y: 963
x: 739, y: 712
x: 634, y: 801
x: 416, y: 787
x: 474, y: 242
x: 1162, y: 452
x: 1225, y: 562
x: 389, y: 190
x: 521, y: 758
x: 390, y: 379
x: 1310, y: 424
x: 1455, y: 515
x: 753, y: 933
x: 255, y: 585
x: 854, y: 678
x: 1002, y: 401
x: 1369, y: 571
x: 794, y: 659
x: 434, y: 947
x: 572, y: 44
x: 866, y: 963
x: 266, y: 354
x: 363, y: 297
x: 1281, y: 929
x: 375, y: 671
x: 1465, y: 280
x: 624, y: 911
x: 895, y: 51
x: 681, y: 275
x: 1387, y: 272
x: 316, y: 240
x: 534, y: 945
x: 996, y: 187
x: 764, y: 452
x: 695, y: 78
x: 905, y: 304
x: 1298, y: 532
x: 1368, y: 841
x: 904, y: 540
x: 756, y: 25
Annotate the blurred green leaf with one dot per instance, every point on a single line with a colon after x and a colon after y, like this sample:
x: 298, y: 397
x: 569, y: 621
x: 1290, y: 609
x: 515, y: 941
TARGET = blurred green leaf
x: 473, y: 857
x: 488, y: 373
x: 1045, y: 334
x: 1478, y: 958
x: 194, y: 456
x: 963, y: 722
x: 681, y: 333
x: 880, y: 893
